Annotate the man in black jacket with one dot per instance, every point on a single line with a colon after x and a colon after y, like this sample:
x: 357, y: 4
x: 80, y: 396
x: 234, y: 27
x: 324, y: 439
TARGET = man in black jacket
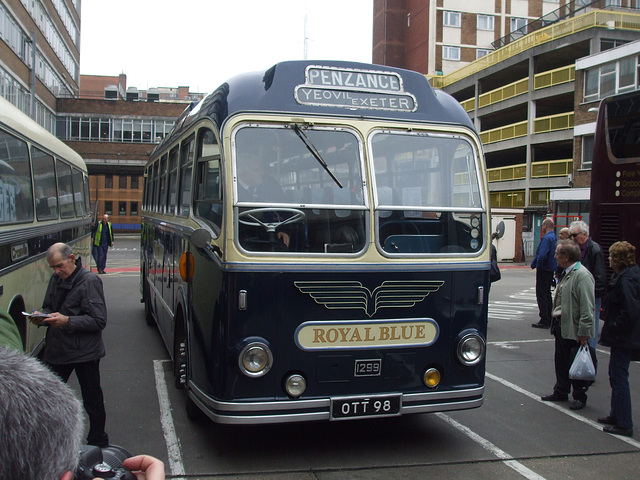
x: 592, y: 257
x: 77, y: 313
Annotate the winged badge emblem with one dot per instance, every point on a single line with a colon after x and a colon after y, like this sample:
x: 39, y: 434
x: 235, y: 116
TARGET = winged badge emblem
x: 353, y: 295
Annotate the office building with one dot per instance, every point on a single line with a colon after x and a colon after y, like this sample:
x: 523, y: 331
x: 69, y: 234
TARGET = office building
x: 112, y: 126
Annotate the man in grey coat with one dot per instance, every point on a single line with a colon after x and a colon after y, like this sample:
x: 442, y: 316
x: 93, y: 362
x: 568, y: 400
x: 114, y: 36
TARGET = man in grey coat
x: 77, y: 313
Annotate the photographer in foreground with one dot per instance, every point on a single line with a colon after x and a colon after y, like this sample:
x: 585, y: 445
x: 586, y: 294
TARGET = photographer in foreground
x: 41, y: 425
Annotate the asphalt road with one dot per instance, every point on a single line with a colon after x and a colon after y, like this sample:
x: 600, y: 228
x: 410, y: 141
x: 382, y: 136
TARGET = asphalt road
x: 513, y: 435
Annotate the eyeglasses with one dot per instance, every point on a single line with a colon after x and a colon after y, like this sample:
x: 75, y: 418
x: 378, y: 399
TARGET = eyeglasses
x: 573, y: 235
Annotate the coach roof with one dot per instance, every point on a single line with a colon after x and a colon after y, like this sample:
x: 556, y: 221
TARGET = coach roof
x: 380, y: 92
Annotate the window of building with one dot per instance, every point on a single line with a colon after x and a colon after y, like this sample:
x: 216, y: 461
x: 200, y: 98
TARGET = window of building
x: 133, y: 208
x: 481, y: 52
x: 122, y: 208
x: 613, y: 3
x: 108, y: 207
x: 485, y: 22
x: 135, y: 182
x: 108, y: 181
x: 611, y: 78
x: 450, y: 53
x: 607, y: 79
x: 591, y: 84
x: 607, y: 44
x: 517, y: 24
x: 627, y: 74
x: 451, y: 19
x: 587, y: 151
x: 122, y: 182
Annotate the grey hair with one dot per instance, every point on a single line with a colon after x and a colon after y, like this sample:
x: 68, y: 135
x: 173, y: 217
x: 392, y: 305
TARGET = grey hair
x: 63, y: 249
x: 41, y: 420
x: 570, y: 249
x: 581, y: 226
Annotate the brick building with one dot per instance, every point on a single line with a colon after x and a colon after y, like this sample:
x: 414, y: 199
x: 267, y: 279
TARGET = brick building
x: 115, y: 135
x: 437, y: 37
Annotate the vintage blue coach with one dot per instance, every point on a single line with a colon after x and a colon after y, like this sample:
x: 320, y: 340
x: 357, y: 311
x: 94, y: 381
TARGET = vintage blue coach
x: 315, y: 246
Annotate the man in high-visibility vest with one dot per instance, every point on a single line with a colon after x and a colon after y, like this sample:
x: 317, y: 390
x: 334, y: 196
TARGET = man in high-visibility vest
x: 103, y: 239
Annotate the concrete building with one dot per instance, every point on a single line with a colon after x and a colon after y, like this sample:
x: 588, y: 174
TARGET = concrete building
x: 111, y: 125
x: 39, y: 55
x: 534, y: 103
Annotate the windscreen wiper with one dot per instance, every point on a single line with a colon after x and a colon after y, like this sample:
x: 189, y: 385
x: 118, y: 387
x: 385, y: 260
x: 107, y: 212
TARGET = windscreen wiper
x: 314, y: 151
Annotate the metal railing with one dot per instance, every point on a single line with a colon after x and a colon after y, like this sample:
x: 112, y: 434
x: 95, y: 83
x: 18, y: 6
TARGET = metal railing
x: 551, y: 123
x: 594, y: 19
x: 554, y: 77
x: 507, y: 132
x: 546, y: 169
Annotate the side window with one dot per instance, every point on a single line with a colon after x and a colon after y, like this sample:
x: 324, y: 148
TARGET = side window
x: 16, y: 197
x: 162, y: 199
x: 78, y: 195
x: 154, y: 188
x: 208, y: 195
x: 87, y: 198
x: 65, y: 190
x: 44, y: 179
x: 173, y: 180
x: 186, y: 167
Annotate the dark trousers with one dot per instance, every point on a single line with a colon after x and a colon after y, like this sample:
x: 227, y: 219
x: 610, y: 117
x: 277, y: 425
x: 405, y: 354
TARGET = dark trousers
x: 563, y: 358
x: 101, y: 261
x: 88, y: 374
x: 543, y: 295
x: 619, y: 381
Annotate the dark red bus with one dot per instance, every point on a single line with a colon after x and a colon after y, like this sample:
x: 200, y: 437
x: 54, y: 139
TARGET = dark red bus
x: 615, y: 174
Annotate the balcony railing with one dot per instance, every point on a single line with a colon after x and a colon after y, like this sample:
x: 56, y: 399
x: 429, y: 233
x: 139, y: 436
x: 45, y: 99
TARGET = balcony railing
x: 508, y: 132
x: 503, y: 174
x: 562, y: 121
x: 550, y: 168
x: 503, y: 93
x: 554, y: 77
x: 594, y: 19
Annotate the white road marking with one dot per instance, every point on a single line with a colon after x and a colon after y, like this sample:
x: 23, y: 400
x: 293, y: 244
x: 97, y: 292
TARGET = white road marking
x: 559, y: 408
x: 174, y: 450
x: 509, y: 461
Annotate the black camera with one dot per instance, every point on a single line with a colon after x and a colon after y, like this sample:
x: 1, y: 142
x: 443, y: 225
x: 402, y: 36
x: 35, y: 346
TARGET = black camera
x: 103, y: 463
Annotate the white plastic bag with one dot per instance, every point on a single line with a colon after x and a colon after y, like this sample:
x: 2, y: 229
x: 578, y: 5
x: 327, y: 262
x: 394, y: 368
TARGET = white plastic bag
x: 582, y: 367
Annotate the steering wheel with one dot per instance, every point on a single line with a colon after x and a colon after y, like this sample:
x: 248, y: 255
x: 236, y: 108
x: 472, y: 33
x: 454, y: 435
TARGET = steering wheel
x: 248, y: 217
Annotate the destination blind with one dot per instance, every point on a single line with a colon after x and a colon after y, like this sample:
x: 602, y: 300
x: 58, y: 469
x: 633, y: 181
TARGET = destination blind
x: 355, y: 89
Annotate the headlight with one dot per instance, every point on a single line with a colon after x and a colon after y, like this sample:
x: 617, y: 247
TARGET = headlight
x: 471, y: 349
x: 295, y: 385
x: 255, y: 359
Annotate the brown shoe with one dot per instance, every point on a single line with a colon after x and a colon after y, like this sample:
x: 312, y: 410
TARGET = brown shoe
x: 607, y: 420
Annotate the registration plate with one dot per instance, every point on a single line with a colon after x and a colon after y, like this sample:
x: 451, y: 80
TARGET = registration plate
x: 373, y: 406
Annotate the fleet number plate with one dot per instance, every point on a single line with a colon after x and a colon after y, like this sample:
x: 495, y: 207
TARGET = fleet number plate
x: 374, y: 406
x: 368, y: 368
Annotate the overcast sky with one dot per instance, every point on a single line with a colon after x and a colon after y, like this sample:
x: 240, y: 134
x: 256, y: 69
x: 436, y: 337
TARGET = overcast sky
x: 202, y: 43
